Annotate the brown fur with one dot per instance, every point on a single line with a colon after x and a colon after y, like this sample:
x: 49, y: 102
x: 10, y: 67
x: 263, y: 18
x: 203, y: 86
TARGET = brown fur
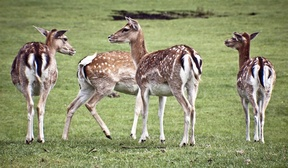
x: 255, y: 82
x: 98, y: 76
x: 163, y: 73
x: 34, y: 73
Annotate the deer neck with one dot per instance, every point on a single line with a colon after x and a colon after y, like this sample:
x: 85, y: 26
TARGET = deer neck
x: 52, y: 50
x: 138, y: 48
x: 244, y: 54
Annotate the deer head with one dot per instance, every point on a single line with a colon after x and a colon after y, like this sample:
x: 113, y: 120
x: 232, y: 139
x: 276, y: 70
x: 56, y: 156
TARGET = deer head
x: 58, y: 40
x: 128, y: 33
x: 239, y: 40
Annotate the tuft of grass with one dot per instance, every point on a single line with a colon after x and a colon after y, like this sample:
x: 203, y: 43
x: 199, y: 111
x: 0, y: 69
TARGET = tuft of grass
x: 220, y: 125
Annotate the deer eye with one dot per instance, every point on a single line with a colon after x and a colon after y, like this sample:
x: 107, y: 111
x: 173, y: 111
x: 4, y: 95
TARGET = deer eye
x: 125, y: 30
x: 65, y: 39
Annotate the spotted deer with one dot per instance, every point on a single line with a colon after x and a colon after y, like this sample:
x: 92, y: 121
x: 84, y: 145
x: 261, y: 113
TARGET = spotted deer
x: 34, y: 73
x: 98, y: 75
x: 168, y: 72
x: 255, y: 81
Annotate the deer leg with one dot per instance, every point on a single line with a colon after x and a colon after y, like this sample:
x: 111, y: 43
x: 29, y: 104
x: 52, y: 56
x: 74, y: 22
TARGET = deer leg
x: 82, y: 97
x: 256, y: 115
x: 41, y: 111
x: 263, y: 105
x: 257, y: 124
x: 192, y: 120
x: 162, y: 102
x: 30, y: 116
x: 91, y: 106
x: 247, y: 117
x: 261, y: 117
x: 137, y: 110
x: 192, y: 90
x: 188, y: 110
x: 145, y: 101
x: 178, y: 92
x: 187, y: 113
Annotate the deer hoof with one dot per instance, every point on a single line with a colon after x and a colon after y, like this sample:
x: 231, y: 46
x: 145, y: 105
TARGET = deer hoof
x: 40, y: 140
x: 29, y: 141
x: 182, y: 144
x: 133, y: 136
x: 109, y: 137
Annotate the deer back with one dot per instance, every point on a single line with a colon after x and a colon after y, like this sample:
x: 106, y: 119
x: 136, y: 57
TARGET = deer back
x: 113, y: 67
x: 168, y: 63
x: 173, y: 66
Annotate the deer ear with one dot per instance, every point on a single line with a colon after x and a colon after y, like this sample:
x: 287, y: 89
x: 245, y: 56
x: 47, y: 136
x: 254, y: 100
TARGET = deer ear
x: 133, y: 23
x: 127, y: 18
x: 42, y: 31
x: 253, y: 35
x: 60, y: 33
x: 238, y: 36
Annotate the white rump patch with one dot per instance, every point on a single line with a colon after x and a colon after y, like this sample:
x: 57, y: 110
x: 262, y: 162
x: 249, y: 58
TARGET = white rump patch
x: 254, y: 80
x: 195, y: 69
x: 30, y: 74
x: 184, y: 73
x: 198, y: 58
x: 31, y: 60
x: 88, y: 59
x: 44, y: 63
x: 268, y: 82
x: 84, y: 62
x: 255, y: 71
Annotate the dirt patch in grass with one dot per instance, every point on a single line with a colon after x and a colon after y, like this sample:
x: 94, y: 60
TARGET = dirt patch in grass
x: 169, y: 15
x: 161, y: 15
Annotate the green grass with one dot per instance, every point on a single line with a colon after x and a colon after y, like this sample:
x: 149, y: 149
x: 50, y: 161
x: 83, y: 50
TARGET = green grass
x: 220, y: 126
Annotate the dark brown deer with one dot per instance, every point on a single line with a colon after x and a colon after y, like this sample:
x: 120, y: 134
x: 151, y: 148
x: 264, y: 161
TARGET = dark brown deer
x: 255, y: 82
x: 34, y: 73
x: 168, y: 72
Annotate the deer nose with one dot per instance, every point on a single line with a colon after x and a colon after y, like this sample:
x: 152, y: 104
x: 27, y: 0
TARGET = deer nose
x: 110, y: 38
x: 72, y: 51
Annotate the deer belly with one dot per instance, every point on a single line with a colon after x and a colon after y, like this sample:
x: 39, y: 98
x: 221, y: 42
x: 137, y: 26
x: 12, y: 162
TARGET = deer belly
x: 127, y: 88
x: 160, y: 90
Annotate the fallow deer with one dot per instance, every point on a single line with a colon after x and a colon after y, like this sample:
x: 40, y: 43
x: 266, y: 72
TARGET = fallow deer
x: 34, y: 73
x: 162, y: 73
x: 98, y: 75
x: 255, y: 81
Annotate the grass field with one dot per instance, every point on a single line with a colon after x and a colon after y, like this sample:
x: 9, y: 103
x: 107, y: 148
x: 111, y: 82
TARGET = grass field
x: 220, y: 126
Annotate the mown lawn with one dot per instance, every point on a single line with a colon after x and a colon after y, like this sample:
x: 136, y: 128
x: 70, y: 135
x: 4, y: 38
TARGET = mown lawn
x: 220, y: 126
